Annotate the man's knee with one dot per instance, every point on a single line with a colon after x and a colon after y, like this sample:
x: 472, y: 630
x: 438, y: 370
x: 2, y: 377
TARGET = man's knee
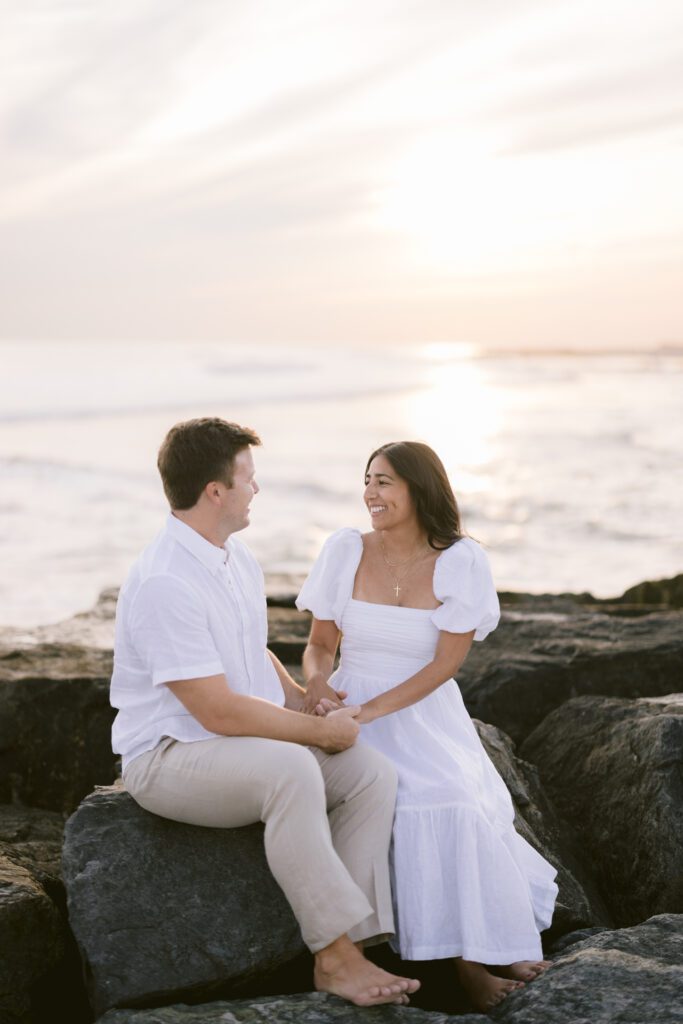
x: 386, y: 774
x: 298, y: 773
x: 378, y: 773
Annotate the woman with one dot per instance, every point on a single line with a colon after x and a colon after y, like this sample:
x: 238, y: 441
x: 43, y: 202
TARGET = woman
x: 408, y: 598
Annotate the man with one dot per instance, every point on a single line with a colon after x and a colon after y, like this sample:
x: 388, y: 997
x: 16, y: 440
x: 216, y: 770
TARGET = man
x: 209, y: 725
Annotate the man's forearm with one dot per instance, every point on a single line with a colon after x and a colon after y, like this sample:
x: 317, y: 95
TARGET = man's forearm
x: 252, y: 716
x: 221, y: 710
x: 227, y: 713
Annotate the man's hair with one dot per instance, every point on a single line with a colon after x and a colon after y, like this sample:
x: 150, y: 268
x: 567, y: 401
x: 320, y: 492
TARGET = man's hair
x: 196, y: 452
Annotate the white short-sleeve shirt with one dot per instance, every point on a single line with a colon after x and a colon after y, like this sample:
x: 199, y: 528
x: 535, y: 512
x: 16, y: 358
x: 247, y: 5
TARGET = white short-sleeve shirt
x: 188, y: 609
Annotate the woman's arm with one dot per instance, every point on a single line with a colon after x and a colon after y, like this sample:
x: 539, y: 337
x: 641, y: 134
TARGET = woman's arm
x: 318, y: 663
x: 294, y: 694
x: 451, y: 651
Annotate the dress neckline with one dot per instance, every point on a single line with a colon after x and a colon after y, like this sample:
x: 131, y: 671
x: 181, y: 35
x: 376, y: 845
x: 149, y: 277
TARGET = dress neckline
x: 378, y: 604
x: 400, y: 607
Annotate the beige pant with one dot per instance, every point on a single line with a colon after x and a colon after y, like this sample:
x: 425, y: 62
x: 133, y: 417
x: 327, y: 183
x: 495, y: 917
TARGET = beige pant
x: 328, y: 820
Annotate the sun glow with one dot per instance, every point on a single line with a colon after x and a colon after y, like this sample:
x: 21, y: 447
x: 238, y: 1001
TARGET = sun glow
x: 459, y: 415
x: 462, y: 204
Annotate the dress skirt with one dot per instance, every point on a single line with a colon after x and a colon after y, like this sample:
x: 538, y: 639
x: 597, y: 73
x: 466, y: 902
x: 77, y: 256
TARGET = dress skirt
x: 464, y: 882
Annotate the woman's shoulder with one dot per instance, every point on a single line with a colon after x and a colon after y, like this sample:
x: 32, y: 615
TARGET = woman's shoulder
x: 465, y: 552
x: 344, y: 543
x: 347, y: 536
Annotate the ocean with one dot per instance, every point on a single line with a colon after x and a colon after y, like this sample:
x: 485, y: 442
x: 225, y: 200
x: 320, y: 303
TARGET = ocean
x: 567, y: 467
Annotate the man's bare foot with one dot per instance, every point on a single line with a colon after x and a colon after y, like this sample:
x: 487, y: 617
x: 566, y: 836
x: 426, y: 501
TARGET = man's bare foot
x: 522, y: 970
x: 484, y: 989
x: 342, y: 970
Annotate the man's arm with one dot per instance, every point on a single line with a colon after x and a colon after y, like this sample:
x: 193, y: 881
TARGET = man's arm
x: 219, y: 709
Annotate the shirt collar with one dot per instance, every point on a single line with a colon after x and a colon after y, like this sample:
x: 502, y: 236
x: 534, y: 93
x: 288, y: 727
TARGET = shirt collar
x: 211, y: 556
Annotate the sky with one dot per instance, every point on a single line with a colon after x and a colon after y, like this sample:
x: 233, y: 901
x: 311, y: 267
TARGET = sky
x: 505, y: 173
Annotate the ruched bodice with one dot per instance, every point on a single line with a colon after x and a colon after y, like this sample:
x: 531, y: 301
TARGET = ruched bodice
x: 384, y: 642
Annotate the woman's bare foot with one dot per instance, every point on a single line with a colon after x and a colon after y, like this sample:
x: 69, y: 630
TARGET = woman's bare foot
x: 342, y: 970
x: 484, y: 989
x: 522, y: 970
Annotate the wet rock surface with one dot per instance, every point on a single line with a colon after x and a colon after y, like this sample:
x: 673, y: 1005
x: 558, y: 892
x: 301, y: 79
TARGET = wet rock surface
x: 614, y: 769
x: 163, y: 911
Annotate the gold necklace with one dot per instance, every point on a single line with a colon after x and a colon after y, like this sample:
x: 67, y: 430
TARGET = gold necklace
x: 400, y: 578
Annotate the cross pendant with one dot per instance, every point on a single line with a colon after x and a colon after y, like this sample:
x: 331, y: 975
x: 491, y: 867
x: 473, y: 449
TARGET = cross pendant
x: 397, y: 590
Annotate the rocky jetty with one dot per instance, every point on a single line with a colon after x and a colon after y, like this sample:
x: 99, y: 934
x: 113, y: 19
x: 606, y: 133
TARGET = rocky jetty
x: 579, y: 903
x: 574, y: 698
x: 630, y: 976
x: 614, y: 770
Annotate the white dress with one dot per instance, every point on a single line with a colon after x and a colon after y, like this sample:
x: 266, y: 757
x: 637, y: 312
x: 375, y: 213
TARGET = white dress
x: 464, y: 882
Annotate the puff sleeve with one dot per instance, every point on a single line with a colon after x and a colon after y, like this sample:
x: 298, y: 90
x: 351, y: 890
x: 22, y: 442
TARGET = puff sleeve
x: 463, y: 583
x: 330, y: 582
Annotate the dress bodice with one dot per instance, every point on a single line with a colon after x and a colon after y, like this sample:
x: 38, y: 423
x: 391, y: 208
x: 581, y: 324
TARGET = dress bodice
x: 384, y: 641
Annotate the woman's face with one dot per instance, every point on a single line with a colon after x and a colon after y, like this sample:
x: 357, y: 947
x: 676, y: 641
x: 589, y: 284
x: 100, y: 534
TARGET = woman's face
x: 387, y: 496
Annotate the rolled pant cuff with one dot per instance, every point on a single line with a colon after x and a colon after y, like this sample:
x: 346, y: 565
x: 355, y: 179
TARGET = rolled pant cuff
x: 343, y: 924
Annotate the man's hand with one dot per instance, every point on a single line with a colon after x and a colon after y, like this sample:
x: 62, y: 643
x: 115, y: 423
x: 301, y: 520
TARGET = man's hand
x: 318, y: 689
x: 339, y: 730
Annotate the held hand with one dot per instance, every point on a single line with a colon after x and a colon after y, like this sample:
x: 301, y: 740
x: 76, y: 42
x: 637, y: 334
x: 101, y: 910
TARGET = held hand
x: 317, y: 691
x: 339, y: 729
x: 325, y: 707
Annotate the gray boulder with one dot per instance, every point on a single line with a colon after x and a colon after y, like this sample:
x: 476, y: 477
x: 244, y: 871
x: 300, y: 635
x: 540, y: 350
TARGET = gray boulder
x: 533, y: 663
x: 163, y: 911
x: 305, y: 1008
x: 579, y: 904
x: 613, y: 768
x: 32, y: 940
x: 629, y: 976
x: 55, y: 724
x: 39, y: 965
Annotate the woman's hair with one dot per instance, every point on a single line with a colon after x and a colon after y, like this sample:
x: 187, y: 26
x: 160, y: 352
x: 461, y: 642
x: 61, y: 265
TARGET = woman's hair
x: 196, y: 452
x: 430, y: 489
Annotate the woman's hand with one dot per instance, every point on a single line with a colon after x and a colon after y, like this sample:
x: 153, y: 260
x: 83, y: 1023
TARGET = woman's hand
x: 364, y: 715
x: 318, y: 690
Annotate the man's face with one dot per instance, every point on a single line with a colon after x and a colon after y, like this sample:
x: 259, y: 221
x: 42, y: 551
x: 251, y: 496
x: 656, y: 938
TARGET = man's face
x: 235, y: 500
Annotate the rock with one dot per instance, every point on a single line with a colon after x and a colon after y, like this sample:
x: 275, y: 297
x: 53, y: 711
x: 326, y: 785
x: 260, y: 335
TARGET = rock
x: 613, y: 769
x: 579, y: 904
x: 163, y: 911
x: 33, y: 839
x: 288, y: 631
x: 55, y: 724
x: 629, y: 976
x: 32, y: 942
x: 31, y: 846
x: 662, y: 592
x: 305, y: 1008
x: 533, y: 663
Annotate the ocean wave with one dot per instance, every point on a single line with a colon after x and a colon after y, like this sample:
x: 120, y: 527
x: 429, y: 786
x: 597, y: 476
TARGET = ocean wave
x: 352, y: 394
x: 89, y: 470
